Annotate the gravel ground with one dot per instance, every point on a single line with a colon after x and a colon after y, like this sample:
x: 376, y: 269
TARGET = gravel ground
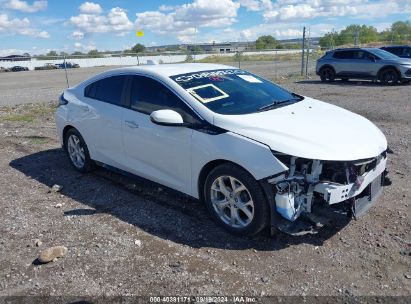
x: 133, y: 237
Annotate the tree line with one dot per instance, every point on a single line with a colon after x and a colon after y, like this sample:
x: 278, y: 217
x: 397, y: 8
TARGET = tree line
x: 398, y: 33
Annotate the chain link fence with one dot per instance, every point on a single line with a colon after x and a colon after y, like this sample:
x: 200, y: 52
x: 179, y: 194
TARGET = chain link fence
x: 47, y: 76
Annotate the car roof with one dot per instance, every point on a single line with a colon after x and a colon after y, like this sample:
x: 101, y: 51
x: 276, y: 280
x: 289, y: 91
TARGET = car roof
x: 397, y: 46
x: 356, y: 49
x: 174, y: 68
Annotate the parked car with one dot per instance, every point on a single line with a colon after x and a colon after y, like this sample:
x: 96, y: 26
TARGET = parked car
x: 363, y: 63
x: 403, y: 51
x: 3, y: 70
x: 68, y: 65
x: 255, y: 153
x: 47, y: 66
x: 18, y: 69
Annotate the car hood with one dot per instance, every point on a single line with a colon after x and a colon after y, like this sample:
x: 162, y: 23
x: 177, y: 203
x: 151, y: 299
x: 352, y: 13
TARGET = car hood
x: 310, y: 129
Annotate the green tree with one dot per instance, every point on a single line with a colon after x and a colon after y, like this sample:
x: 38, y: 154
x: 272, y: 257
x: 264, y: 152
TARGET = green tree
x: 400, y: 32
x: 52, y: 54
x: 366, y: 34
x: 138, y: 48
x: 94, y: 53
x: 329, y: 40
x: 266, y: 42
x: 77, y: 53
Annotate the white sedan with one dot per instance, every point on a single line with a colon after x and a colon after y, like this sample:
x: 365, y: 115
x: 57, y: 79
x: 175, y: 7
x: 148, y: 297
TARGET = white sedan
x: 255, y: 153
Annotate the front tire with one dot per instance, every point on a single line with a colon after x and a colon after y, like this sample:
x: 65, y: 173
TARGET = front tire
x: 235, y: 200
x: 77, y: 151
x: 389, y: 76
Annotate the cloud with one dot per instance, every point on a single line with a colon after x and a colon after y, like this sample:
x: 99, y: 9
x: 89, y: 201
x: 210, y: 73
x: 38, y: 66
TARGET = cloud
x: 183, y: 20
x: 77, y: 35
x: 23, y: 6
x: 20, y: 27
x: 90, y: 8
x: 297, y: 10
x: 85, y: 47
x: 116, y: 21
x: 256, y: 5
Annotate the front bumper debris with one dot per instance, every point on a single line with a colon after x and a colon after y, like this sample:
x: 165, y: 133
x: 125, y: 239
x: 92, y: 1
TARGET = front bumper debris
x: 335, y: 193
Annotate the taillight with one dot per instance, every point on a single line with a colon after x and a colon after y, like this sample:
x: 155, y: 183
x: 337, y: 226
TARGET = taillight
x: 62, y: 101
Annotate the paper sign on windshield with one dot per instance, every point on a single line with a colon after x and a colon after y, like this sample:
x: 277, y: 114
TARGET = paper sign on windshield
x: 207, y: 93
x: 250, y: 78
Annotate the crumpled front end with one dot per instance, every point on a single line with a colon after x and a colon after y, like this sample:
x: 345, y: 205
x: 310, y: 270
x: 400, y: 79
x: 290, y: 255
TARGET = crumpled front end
x: 311, y: 192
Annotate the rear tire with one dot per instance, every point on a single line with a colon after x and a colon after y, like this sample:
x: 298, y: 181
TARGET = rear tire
x: 327, y: 74
x: 77, y: 151
x: 389, y: 76
x: 235, y: 200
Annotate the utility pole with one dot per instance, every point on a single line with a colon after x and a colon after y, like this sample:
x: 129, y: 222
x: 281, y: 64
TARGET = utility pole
x: 308, y: 51
x: 195, y: 44
x: 356, y: 36
x: 302, y: 53
x: 65, y: 70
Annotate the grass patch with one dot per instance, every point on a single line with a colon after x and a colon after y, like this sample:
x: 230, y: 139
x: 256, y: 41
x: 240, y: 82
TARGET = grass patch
x: 17, y: 118
x: 257, y: 57
x: 26, y: 113
x: 39, y: 141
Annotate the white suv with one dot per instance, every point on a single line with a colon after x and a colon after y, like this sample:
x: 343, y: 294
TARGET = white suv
x: 255, y: 153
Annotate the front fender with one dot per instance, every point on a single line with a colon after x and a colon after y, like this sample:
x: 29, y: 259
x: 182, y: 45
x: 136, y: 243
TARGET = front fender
x: 253, y: 156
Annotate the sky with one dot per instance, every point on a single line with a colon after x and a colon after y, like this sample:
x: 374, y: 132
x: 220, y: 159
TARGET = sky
x: 39, y: 26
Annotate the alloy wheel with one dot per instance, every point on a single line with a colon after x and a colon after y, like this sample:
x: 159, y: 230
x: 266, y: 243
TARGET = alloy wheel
x: 232, y: 201
x: 76, y: 151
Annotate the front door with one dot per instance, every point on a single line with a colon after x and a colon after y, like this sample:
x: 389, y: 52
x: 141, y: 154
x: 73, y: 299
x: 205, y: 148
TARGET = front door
x: 159, y: 153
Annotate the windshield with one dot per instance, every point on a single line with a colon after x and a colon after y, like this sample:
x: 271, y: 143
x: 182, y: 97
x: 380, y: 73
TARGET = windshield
x: 384, y: 54
x: 234, y: 91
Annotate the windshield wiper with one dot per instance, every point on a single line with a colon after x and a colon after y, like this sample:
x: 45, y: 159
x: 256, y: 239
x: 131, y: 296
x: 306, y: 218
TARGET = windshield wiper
x: 277, y: 104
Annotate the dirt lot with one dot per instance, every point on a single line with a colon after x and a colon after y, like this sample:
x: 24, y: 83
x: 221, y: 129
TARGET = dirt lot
x: 132, y: 237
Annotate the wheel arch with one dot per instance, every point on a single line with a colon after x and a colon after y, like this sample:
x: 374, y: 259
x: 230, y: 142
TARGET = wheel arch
x: 207, y: 168
x: 65, y: 130
x: 327, y: 65
x: 388, y: 67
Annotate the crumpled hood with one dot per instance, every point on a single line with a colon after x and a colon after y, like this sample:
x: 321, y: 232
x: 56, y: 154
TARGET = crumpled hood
x: 310, y: 129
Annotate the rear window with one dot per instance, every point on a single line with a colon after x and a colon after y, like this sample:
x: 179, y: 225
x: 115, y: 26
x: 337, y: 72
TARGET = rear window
x: 344, y: 55
x: 109, y: 89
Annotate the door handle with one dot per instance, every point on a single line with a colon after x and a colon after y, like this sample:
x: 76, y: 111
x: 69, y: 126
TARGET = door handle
x: 131, y: 124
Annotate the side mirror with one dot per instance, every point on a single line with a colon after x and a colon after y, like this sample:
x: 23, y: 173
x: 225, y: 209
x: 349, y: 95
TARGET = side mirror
x: 167, y: 118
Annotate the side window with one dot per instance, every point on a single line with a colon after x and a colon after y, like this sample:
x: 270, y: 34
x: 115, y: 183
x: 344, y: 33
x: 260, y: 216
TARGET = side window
x: 360, y: 55
x: 148, y: 95
x: 395, y: 51
x: 343, y: 55
x: 406, y: 52
x: 109, y: 89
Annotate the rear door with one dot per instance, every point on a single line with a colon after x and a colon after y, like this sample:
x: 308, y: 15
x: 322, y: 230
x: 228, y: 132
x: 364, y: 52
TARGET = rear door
x: 159, y: 153
x: 101, y: 119
x: 342, y: 62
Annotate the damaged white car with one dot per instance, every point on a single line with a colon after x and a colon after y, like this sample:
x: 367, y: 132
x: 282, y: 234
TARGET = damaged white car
x: 256, y: 154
